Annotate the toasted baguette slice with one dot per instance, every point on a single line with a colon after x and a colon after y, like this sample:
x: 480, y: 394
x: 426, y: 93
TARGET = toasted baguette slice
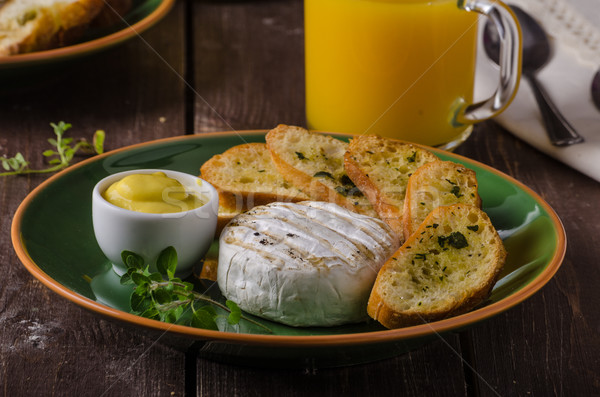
x: 224, y: 216
x: 112, y: 13
x: 245, y: 176
x: 380, y: 168
x: 447, y: 267
x: 436, y: 184
x: 33, y: 25
x: 315, y: 163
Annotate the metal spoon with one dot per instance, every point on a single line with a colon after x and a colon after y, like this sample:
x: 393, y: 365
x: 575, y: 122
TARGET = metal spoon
x: 596, y: 89
x: 536, y: 53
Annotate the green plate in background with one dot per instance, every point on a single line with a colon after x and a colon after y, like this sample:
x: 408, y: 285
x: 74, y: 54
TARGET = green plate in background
x: 53, y: 236
x: 20, y: 70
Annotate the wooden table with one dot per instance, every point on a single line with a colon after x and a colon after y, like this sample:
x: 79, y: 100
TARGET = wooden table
x: 223, y: 65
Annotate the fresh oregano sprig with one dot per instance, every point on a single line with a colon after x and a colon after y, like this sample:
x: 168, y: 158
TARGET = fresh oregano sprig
x: 62, y: 152
x: 164, y: 297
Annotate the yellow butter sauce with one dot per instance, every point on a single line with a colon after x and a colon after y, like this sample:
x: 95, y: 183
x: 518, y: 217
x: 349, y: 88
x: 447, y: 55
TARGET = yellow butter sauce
x: 152, y: 193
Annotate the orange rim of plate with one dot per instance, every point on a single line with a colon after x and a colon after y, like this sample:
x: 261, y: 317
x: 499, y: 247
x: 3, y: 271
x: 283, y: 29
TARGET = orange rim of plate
x: 393, y: 335
x: 95, y: 44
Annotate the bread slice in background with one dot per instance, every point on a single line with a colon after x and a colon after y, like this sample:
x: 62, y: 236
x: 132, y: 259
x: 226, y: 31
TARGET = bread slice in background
x: 245, y: 176
x: 380, y: 167
x: 34, y: 25
x: 447, y: 267
x: 224, y: 216
x: 436, y: 184
x: 112, y: 13
x: 314, y: 162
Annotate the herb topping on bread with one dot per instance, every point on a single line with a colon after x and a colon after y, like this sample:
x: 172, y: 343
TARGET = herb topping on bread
x: 447, y: 267
x: 245, y: 176
x: 314, y: 162
x: 436, y: 184
x: 380, y: 168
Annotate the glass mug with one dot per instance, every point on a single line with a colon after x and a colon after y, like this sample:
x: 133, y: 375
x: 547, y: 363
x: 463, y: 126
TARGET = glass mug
x: 403, y: 69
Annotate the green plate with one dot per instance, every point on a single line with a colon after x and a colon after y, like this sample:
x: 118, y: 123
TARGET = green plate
x: 53, y: 236
x: 23, y: 69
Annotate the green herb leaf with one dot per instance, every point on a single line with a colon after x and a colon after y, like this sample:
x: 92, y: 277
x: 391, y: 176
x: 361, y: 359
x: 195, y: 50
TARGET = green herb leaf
x: 62, y: 149
x: 139, y: 302
x: 168, y: 299
x: 456, y: 191
x: 98, y: 141
x: 168, y: 317
x: 125, y: 279
x: 455, y: 239
x: 132, y: 260
x: 204, y: 317
x: 167, y: 262
x: 151, y: 313
x: 140, y: 279
x: 162, y: 296
x: 236, y: 313
x: 300, y: 155
x: 157, y: 277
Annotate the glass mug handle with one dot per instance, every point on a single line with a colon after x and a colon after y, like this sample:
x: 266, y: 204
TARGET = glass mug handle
x: 510, y: 61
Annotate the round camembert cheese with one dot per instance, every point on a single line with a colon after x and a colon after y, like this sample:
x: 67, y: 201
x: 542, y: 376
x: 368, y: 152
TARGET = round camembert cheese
x: 303, y: 264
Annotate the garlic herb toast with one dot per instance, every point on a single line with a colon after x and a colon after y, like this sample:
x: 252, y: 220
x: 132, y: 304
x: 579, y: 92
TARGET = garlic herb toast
x: 224, y: 216
x: 314, y: 162
x: 245, y: 176
x: 447, y: 267
x: 436, y: 184
x: 380, y: 168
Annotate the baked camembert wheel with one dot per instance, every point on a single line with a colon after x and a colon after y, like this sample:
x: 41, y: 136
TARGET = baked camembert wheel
x: 303, y: 264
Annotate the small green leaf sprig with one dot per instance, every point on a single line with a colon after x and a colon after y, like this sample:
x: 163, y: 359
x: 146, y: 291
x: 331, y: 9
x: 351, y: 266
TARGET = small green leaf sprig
x: 62, y: 152
x: 164, y: 297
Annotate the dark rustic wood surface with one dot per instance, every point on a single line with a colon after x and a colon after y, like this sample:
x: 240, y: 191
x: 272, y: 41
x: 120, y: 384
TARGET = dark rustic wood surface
x: 222, y: 65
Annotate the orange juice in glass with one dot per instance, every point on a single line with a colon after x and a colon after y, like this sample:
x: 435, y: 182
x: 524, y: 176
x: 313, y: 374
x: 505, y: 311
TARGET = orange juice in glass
x: 402, y: 68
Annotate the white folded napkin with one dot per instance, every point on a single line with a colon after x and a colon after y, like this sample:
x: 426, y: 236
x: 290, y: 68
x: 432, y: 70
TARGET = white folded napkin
x: 567, y: 78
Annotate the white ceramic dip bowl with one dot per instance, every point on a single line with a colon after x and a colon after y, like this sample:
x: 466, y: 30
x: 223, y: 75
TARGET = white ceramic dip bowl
x: 190, y: 232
